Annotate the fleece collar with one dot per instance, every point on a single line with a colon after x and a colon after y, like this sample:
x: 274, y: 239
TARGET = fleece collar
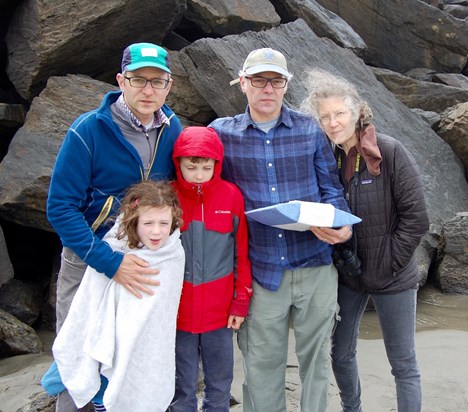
x: 367, y: 147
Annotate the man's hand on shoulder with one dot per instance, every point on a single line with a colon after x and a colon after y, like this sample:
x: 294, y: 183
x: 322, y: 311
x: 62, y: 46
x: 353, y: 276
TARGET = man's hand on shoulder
x: 133, y: 275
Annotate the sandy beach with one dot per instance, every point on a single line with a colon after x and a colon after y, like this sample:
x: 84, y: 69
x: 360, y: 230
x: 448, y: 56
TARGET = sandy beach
x: 443, y: 359
x: 442, y: 348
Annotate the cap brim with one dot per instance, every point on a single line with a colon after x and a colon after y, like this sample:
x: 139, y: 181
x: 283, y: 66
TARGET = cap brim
x: 267, y: 68
x: 263, y: 68
x: 136, y: 66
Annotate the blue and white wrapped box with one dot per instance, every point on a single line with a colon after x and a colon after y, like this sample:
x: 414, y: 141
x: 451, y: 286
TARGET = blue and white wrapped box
x: 300, y: 215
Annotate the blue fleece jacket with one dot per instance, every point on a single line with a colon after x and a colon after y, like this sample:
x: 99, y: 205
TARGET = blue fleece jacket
x: 93, y: 168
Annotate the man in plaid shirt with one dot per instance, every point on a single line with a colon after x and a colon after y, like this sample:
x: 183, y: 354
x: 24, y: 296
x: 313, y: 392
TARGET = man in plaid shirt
x: 275, y: 154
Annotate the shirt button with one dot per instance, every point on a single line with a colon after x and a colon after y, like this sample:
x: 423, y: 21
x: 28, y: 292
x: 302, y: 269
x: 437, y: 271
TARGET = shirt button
x: 280, y: 235
x: 267, y: 142
x: 282, y: 257
x: 273, y: 189
x: 270, y: 164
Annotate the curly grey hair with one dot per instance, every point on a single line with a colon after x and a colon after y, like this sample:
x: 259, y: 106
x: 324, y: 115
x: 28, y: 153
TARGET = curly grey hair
x: 322, y: 84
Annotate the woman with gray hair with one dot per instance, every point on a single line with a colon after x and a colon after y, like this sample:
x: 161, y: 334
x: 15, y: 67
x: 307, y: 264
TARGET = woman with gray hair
x: 384, y: 188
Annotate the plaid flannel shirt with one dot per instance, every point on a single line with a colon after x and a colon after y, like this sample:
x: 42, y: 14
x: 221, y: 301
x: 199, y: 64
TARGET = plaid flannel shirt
x: 293, y: 161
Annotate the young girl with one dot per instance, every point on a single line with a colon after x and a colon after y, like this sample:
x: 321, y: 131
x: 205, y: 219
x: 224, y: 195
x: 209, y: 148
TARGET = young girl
x: 115, y: 349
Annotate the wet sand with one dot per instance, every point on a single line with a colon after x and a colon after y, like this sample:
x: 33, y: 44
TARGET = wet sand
x: 443, y: 359
x: 442, y: 350
x: 442, y: 347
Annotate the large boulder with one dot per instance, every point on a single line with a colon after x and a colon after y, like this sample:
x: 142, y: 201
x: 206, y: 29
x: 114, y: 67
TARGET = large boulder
x: 456, y: 10
x: 453, y: 128
x: 402, y: 34
x: 50, y: 38
x: 452, y: 272
x: 452, y: 79
x: 323, y: 22
x: 22, y: 300
x: 212, y: 63
x: 17, y: 338
x: 11, y: 115
x: 425, y: 95
x: 222, y: 17
x: 432, y: 118
x: 184, y: 99
x: 26, y: 170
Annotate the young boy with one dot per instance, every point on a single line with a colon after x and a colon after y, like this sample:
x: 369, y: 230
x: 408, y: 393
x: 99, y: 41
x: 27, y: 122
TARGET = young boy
x: 217, y: 283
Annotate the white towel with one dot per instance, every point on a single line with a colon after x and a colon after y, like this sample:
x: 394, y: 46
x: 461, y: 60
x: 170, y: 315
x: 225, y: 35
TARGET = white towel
x: 130, y: 341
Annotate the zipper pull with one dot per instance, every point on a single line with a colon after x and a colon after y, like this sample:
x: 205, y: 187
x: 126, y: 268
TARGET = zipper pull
x: 199, y: 189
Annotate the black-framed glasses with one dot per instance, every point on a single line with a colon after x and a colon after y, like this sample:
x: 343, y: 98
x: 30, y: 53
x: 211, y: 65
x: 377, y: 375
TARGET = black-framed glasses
x: 140, y: 82
x: 261, y: 82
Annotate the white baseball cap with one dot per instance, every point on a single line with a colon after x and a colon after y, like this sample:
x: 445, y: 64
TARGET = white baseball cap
x: 264, y: 60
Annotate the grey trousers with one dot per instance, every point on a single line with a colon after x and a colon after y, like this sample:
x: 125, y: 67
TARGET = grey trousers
x: 307, y: 301
x: 72, y: 269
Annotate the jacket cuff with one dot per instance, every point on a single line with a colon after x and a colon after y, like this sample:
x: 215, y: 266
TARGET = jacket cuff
x: 239, y: 308
x: 240, y: 305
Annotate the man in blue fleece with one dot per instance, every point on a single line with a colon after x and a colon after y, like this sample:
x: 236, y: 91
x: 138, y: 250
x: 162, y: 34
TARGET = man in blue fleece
x: 127, y: 139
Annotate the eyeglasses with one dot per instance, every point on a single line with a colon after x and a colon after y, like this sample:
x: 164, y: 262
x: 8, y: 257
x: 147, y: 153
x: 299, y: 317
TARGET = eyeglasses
x: 338, y: 116
x: 261, y: 82
x: 140, y: 82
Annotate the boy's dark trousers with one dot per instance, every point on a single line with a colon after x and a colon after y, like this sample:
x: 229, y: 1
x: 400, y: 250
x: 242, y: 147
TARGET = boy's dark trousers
x: 215, y: 349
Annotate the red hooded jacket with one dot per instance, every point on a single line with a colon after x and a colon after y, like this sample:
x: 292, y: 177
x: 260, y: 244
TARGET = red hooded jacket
x: 217, y: 281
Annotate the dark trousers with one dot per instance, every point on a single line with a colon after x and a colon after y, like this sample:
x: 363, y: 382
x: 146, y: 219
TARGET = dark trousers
x: 215, y: 349
x: 397, y: 317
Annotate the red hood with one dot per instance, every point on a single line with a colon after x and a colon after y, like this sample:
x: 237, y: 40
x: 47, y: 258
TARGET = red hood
x: 201, y: 142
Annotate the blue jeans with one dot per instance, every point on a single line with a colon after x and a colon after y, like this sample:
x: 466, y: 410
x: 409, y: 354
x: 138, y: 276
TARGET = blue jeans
x: 397, y: 317
x: 216, y: 351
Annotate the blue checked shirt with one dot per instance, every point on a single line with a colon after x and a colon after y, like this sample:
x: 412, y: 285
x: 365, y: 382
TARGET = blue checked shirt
x: 293, y: 161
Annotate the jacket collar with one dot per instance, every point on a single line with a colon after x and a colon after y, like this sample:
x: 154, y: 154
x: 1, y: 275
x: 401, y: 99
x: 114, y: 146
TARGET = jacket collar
x: 369, y: 150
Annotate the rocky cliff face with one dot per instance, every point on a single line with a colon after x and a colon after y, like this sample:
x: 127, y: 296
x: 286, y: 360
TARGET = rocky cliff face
x: 57, y: 59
